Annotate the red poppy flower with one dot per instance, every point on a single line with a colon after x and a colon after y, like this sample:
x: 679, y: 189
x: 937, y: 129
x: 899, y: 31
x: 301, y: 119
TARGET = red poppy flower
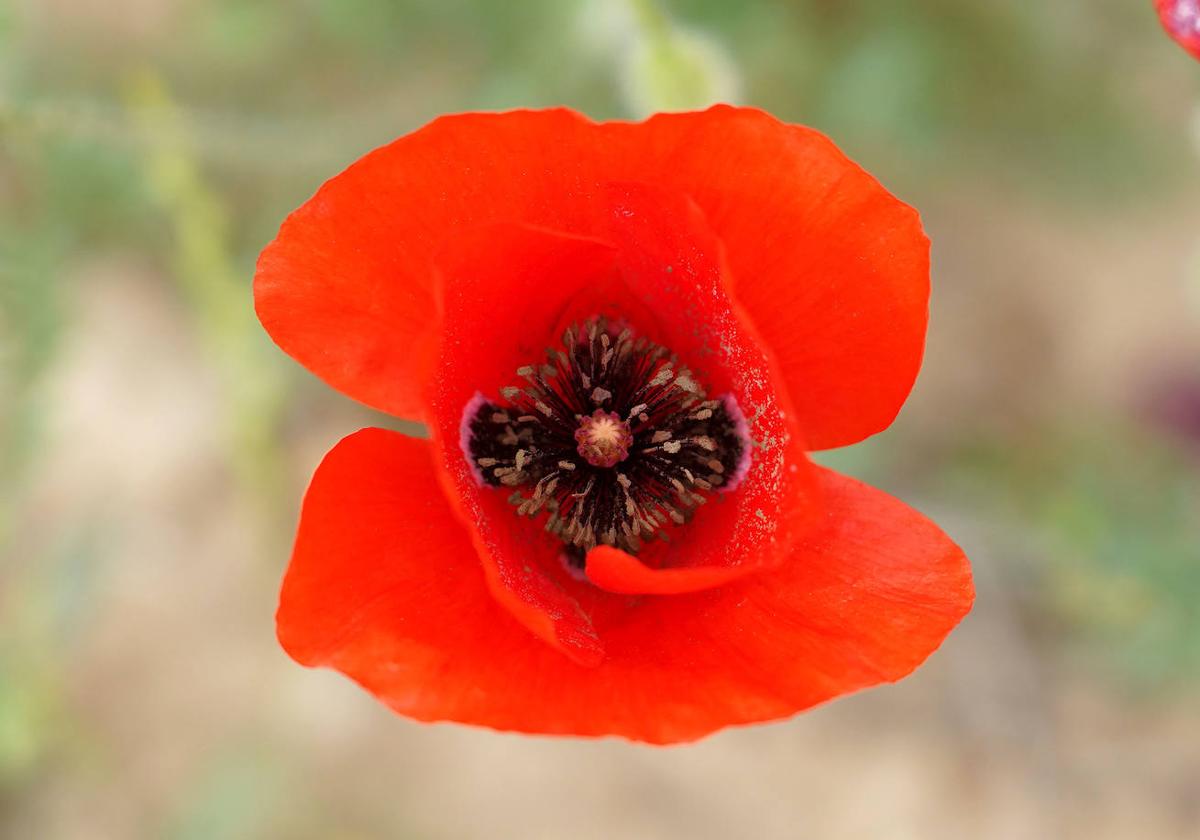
x: 623, y: 338
x: 1181, y: 19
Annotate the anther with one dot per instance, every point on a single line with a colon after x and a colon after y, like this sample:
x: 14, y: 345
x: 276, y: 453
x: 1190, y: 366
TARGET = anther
x: 606, y: 398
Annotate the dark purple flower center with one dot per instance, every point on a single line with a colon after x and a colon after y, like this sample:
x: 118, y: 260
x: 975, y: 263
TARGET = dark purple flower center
x: 612, y: 438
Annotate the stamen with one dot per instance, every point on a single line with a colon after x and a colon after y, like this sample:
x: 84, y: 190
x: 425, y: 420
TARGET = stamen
x: 601, y: 400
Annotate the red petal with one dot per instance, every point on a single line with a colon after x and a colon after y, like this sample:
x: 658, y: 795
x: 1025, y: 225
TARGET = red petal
x: 1181, y: 19
x: 830, y: 267
x: 335, y: 292
x: 384, y: 586
x: 508, y: 292
x: 614, y: 570
x: 378, y: 548
x: 673, y: 263
x: 347, y: 287
x: 507, y: 287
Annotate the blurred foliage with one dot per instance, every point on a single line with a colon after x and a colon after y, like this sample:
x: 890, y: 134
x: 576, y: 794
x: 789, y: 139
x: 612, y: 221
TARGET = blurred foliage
x: 178, y: 135
x: 215, y: 289
x: 1025, y: 90
x: 238, y: 796
x: 667, y: 68
x: 1104, y: 533
x: 248, y: 103
x: 1113, y: 511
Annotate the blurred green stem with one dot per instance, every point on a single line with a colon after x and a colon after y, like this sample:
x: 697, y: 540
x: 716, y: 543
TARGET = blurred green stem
x: 672, y: 68
x: 651, y: 19
x: 218, y: 296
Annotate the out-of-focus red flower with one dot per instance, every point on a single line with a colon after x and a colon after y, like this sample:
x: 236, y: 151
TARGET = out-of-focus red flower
x: 623, y: 339
x: 1181, y: 19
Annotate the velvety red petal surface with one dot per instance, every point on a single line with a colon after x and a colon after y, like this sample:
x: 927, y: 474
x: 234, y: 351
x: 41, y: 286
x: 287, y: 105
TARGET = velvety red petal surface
x: 831, y: 269
x: 507, y: 286
x: 347, y: 287
x: 617, y: 571
x: 509, y: 290
x: 385, y: 586
x: 672, y: 261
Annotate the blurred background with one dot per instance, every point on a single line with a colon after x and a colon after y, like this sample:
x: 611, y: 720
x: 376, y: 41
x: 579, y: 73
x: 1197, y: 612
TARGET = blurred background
x: 154, y: 445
